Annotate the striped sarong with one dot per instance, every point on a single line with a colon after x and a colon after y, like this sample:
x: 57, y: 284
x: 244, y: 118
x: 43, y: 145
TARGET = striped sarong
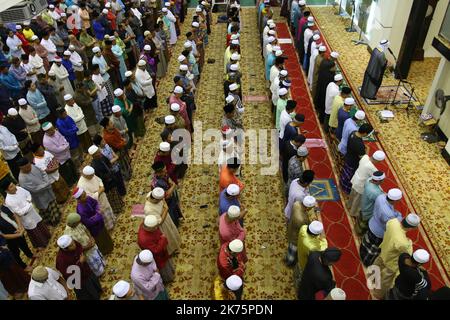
x: 115, y: 200
x: 39, y: 236
x: 370, y: 248
x: 346, y: 177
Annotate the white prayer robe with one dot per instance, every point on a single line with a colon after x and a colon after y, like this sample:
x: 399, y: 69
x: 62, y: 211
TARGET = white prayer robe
x: 102, y: 93
x: 51, y: 49
x: 37, y: 63
x: 77, y: 62
x: 103, y: 66
x: 307, y: 35
x: 29, y: 68
x: 13, y: 44
x: 274, y: 86
x: 332, y: 91
x: 312, y: 60
x: 274, y: 72
x: 145, y: 80
x: 63, y: 78
x: 172, y: 29
x: 20, y: 204
x: 77, y: 115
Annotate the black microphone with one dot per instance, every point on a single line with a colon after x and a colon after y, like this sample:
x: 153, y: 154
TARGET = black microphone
x: 391, y: 51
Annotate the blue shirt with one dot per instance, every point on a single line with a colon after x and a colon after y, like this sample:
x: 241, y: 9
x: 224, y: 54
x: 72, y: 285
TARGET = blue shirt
x: 349, y: 127
x: 68, y: 65
x: 68, y: 129
x: 226, y: 202
x: 383, y: 211
x: 269, y: 63
x: 295, y: 14
x: 371, y: 193
x: 342, y: 116
x: 38, y: 103
x: 11, y: 83
x: 99, y: 30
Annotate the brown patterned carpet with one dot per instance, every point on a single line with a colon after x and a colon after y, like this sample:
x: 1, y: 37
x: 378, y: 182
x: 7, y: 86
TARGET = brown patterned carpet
x: 419, y: 165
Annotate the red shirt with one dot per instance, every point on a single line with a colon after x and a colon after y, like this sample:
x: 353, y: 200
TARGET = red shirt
x: 224, y: 263
x: 65, y: 259
x: 156, y: 242
x: 112, y: 18
x: 170, y: 166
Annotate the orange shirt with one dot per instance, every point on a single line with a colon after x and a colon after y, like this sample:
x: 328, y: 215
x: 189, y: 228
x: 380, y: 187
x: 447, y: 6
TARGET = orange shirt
x: 227, y: 177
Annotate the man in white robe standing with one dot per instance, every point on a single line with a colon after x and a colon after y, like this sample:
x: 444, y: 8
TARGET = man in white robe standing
x: 315, y: 45
x: 62, y: 75
x: 168, y: 16
x: 331, y: 92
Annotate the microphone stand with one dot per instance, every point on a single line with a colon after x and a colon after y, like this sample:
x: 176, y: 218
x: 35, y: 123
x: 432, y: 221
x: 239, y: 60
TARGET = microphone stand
x: 351, y: 29
x: 361, y: 40
x: 400, y: 80
x: 339, y: 11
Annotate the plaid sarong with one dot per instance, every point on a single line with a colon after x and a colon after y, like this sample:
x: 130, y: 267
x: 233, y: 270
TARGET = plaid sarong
x: 370, y: 248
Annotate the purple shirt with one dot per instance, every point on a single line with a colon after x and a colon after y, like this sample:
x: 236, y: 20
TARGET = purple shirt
x: 58, y: 146
x: 91, y: 216
x: 146, y: 280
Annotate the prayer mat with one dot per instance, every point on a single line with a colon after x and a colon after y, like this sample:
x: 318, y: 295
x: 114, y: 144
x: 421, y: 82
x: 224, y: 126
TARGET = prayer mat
x: 324, y: 190
x: 385, y: 95
x: 255, y: 98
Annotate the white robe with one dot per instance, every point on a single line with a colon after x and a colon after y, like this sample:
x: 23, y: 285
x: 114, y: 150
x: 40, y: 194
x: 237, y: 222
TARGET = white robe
x: 102, y: 93
x: 274, y: 72
x: 38, y: 64
x: 77, y: 115
x: 307, y: 35
x: 145, y: 80
x: 77, y: 62
x: 274, y: 89
x: 13, y: 44
x: 172, y: 29
x: 62, y: 77
x: 332, y: 91
x: 20, y: 204
x: 312, y: 62
x: 51, y: 48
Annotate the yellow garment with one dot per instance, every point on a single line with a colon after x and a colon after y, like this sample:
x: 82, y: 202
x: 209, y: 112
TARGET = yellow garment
x: 394, y: 243
x: 28, y: 34
x: 4, y: 169
x: 226, y: 59
x: 219, y: 290
x: 338, y: 102
x: 308, y: 243
x: 47, y: 18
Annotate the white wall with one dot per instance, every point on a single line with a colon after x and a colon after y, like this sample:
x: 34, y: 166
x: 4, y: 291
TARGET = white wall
x: 438, y: 17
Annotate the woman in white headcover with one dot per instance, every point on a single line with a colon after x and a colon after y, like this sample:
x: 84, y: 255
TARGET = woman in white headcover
x: 170, y: 20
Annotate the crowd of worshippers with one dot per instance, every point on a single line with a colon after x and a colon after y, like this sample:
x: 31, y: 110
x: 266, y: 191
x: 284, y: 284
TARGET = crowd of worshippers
x: 383, y: 229
x: 76, y: 85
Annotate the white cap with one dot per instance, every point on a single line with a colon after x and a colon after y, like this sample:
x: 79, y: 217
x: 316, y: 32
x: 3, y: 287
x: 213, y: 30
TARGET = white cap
x: 360, y: 115
x: 413, y: 219
x: 302, y: 151
x: 195, y: 24
x: 235, y: 42
x: 278, y: 53
x: 395, y: 194
x: 164, y: 10
x: 322, y: 49
x: 302, y: 3
x: 384, y: 42
x: 26, y: 23
x: 147, y: 47
x: 107, y: 36
x: 63, y: 14
x: 421, y: 256
x: 78, y: 192
x: 316, y: 227
x: 229, y: 98
x: 92, y: 149
x: 233, y: 189
x: 12, y: 112
x: 64, y: 241
x: 115, y: 108
x: 235, y: 57
x: 270, y: 21
x: 164, y: 146
x: 233, y: 86
x: 271, y: 39
x: 67, y: 97
x: 272, y: 25
x: 67, y: 53
x: 51, y: 73
x: 187, y: 44
x: 167, y: 4
x: 118, y: 92
x: 233, y: 282
x: 128, y: 73
x: 35, y: 37
x: 272, y: 32
x: 338, y: 77
x: 88, y: 170
x: 236, y: 246
x: 184, y: 67
x: 51, y: 6
x: 146, y: 256
x: 316, y: 37
x: 175, y: 107
x: 158, y: 193
x: 22, y: 102
x: 283, y: 73
x: 276, y: 48
x: 47, y: 125
x: 178, y: 89
x: 121, y: 288
x: 234, y: 37
x: 309, y: 201
x: 108, y: 5
x: 150, y: 221
x: 310, y: 19
x: 181, y: 58
x: 349, y: 101
x: 146, y: 33
x: 233, y: 212
x: 379, y: 155
x: 105, y: 11
x: 198, y: 9
x: 71, y: 47
x: 334, y: 54
x: 234, y: 67
x: 18, y: 27
x: 282, y: 91
x: 141, y: 63
x: 95, y: 49
x: 337, y: 294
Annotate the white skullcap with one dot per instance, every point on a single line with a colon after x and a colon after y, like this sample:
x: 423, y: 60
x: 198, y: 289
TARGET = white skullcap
x: 272, y: 25
x: 233, y: 86
x: 128, y: 74
x: 146, y: 33
x: 276, y: 48
x: 22, y: 102
x: 316, y: 37
x: 115, y: 108
x: 338, y: 294
x: 95, y: 49
x: 121, y: 288
x: 349, y: 101
x: 384, y: 41
x: 271, y: 39
x: 141, y: 63
x: 12, y: 112
x: 322, y: 49
x: 278, y: 53
x: 378, y: 177
x: 270, y: 21
x: 272, y: 32
x: 105, y: 11
x: 379, y: 155
x: 233, y: 189
x: 147, y: 47
x: 235, y: 42
x: 26, y: 23
x: 181, y: 58
x: 63, y: 14
x: 18, y: 27
x: 236, y: 246
x: 413, y: 219
x: 118, y: 92
x: 234, y: 67
x: 178, y: 89
x: 235, y: 56
x: 334, y: 54
x: 150, y: 221
x: 67, y: 53
x: 108, y: 5
x: 46, y: 126
x: 282, y: 91
x: 170, y: 119
x: 164, y: 10
x: 229, y: 98
x: 360, y: 115
x: 309, y: 201
x: 310, y: 19
x: 167, y: 4
x: 64, y: 241
x: 316, y: 227
x: 51, y: 73
x: 234, y: 37
x: 198, y: 9
x: 146, y: 256
x: 33, y: 38
x: 88, y: 170
x: 175, y: 107
x: 302, y: 151
x: 67, y: 97
x: 187, y: 44
x: 107, y: 36
x: 338, y: 77
x: 57, y: 59
x: 71, y: 47
x: 51, y: 6
x: 195, y: 24
x: 302, y: 3
x: 78, y: 192
x: 234, y: 212
x: 205, y: 3
x: 233, y: 282
x: 184, y: 67
x: 395, y: 194
x: 158, y: 193
x: 92, y: 149
x: 283, y: 73
x: 164, y: 146
x: 421, y: 256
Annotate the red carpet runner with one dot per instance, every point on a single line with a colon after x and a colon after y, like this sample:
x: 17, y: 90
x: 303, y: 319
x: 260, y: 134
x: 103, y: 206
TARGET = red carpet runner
x: 349, y: 272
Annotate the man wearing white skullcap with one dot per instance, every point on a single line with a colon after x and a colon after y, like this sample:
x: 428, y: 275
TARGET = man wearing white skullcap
x: 413, y: 281
x: 76, y: 113
x: 233, y: 252
x: 145, y: 277
x: 228, y: 289
x: 229, y: 226
x: 366, y: 167
x: 372, y: 189
x: 229, y: 197
x: 336, y: 294
x: 301, y: 214
x: 31, y: 119
x: 171, y: 20
x: 383, y: 211
x: 350, y: 125
x: 61, y: 74
x: 331, y: 92
x: 395, y: 242
x: 119, y: 121
x: 310, y: 238
x: 151, y: 238
x: 123, y: 290
x: 71, y: 254
x: 294, y: 15
x: 373, y: 76
x: 144, y: 79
